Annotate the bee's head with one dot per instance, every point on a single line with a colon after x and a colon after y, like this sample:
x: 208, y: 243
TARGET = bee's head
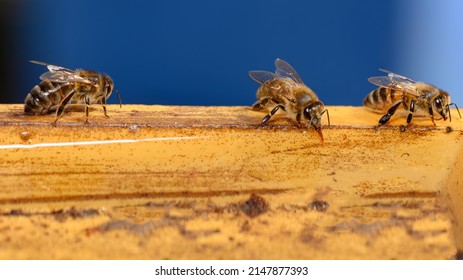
x: 313, y: 114
x: 441, y: 104
x: 108, y: 88
x: 108, y: 85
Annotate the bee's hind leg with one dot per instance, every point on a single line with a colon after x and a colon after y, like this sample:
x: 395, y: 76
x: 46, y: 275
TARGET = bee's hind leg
x: 384, y: 119
x: 274, y: 110
x: 260, y: 105
x: 62, y: 105
x: 87, y: 105
x: 263, y: 103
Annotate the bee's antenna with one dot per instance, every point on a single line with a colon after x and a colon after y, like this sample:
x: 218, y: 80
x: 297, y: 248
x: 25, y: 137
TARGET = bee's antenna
x: 456, y: 107
x: 119, y: 97
x: 328, y: 115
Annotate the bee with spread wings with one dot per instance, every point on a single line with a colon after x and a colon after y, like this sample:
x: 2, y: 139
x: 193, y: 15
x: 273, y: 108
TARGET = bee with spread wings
x: 285, y: 90
x: 61, y: 86
x: 395, y: 90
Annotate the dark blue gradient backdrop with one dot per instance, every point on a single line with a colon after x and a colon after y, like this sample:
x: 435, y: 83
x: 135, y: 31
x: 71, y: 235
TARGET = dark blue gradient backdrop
x: 199, y: 52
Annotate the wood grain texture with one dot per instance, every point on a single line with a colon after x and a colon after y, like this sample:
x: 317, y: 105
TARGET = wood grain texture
x: 180, y: 182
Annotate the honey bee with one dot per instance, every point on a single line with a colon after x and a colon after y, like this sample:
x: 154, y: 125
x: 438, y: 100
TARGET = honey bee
x: 395, y: 90
x: 61, y: 86
x: 285, y: 90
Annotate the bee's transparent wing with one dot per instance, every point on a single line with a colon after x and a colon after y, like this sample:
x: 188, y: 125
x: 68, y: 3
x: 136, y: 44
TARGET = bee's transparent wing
x: 51, y: 67
x: 381, y: 81
x: 395, y: 82
x: 283, y: 69
x: 396, y: 77
x: 64, y: 77
x: 262, y: 76
x: 60, y: 74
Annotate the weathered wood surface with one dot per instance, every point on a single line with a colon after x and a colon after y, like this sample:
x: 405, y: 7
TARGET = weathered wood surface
x: 172, y: 182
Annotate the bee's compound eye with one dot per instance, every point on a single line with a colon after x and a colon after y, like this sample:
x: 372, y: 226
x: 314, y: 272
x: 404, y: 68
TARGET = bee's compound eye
x: 438, y: 104
x: 307, y: 113
x: 109, y: 87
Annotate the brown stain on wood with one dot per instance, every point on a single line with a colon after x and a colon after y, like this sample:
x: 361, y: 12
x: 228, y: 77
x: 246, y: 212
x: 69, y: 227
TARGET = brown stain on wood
x: 210, y: 185
x: 413, y: 194
x: 156, y: 195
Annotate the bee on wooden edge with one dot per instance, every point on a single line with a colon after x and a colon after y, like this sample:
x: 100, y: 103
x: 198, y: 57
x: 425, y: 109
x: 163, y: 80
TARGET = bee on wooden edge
x: 285, y: 90
x: 415, y: 97
x: 62, y: 86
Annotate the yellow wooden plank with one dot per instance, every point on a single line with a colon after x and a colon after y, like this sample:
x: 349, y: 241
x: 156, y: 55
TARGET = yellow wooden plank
x: 181, y: 182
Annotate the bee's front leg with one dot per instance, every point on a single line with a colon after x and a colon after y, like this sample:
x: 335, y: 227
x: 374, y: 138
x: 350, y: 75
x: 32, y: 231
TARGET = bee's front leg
x: 103, y: 103
x: 411, y: 110
x: 298, y: 120
x: 431, y: 113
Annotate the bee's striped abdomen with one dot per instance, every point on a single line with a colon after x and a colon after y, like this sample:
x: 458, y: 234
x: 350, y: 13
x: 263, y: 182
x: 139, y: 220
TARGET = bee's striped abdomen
x: 43, y: 97
x: 382, y: 98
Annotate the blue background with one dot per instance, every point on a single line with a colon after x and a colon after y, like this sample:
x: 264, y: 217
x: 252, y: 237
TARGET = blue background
x: 199, y: 52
